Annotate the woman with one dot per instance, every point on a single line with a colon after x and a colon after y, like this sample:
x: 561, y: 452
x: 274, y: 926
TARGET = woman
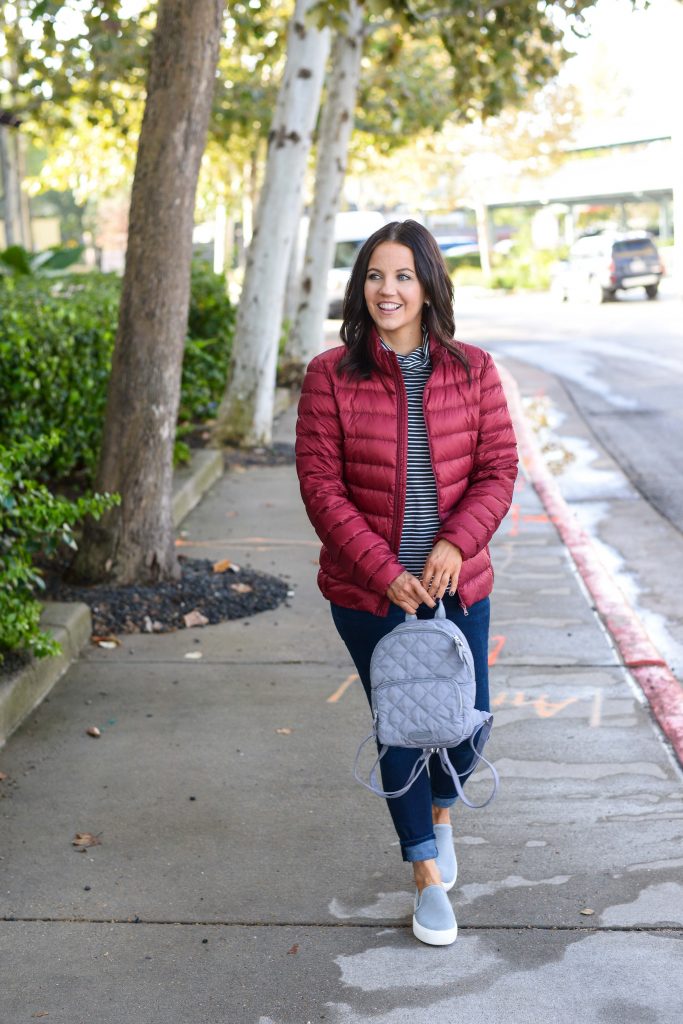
x: 406, y: 458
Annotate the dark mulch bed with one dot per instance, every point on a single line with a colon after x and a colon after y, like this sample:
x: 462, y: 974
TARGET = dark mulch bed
x: 280, y: 453
x: 160, y: 609
x: 277, y: 454
x: 12, y: 661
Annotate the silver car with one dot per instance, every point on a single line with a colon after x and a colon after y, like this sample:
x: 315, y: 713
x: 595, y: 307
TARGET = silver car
x: 600, y: 265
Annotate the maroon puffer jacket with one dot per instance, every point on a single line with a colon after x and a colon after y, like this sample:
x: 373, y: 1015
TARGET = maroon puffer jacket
x: 351, y: 461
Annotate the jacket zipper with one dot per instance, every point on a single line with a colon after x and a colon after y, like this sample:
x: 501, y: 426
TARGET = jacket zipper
x: 401, y: 467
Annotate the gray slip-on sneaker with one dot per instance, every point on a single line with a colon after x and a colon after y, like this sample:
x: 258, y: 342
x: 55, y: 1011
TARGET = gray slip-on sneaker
x: 433, y: 920
x: 446, y: 860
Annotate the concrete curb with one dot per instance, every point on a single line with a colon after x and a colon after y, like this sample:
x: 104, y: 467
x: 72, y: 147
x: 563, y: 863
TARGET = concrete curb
x: 71, y: 625
x: 654, y: 677
x: 191, y: 483
x: 71, y: 622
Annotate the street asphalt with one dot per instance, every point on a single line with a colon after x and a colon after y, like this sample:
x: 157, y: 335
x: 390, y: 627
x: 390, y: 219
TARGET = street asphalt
x: 243, y: 877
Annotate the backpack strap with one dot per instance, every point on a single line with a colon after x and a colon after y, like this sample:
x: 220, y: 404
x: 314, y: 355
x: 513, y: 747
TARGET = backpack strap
x: 477, y: 749
x: 439, y: 612
x: 373, y: 784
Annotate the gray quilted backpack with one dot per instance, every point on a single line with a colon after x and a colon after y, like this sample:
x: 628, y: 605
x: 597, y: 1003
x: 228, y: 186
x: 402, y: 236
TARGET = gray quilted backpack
x: 423, y: 690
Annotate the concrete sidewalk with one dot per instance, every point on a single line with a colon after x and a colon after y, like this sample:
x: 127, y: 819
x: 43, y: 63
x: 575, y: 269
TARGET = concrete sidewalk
x: 243, y: 877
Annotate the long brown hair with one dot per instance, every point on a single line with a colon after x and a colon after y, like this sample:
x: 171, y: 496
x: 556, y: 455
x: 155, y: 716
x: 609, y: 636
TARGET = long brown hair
x: 437, y: 316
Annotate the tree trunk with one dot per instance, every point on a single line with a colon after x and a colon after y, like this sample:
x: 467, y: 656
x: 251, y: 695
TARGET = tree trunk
x: 306, y: 338
x: 135, y: 541
x: 11, y: 186
x: 293, y: 279
x: 24, y: 205
x: 484, y: 237
x: 246, y: 412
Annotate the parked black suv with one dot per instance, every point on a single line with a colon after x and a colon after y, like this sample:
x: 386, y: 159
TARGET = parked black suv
x: 602, y: 264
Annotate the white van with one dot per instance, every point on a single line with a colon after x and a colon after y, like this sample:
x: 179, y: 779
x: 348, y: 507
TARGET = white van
x: 351, y: 229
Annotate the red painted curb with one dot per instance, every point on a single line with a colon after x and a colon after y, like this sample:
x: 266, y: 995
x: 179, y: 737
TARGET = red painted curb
x: 639, y: 654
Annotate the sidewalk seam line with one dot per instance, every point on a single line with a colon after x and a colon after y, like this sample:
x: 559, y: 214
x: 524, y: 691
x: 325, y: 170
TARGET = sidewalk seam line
x: 339, y: 924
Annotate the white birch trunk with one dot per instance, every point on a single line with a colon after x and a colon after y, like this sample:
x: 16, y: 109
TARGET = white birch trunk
x: 246, y: 412
x: 12, y: 187
x: 306, y: 337
x: 293, y: 283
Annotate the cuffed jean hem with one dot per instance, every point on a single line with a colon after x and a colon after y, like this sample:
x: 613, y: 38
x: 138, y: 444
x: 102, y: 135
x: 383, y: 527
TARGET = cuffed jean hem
x: 443, y: 801
x: 424, y: 850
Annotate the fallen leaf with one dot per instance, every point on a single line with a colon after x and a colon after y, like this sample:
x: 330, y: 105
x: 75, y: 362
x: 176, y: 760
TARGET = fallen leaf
x: 108, y: 642
x: 3, y: 776
x: 223, y: 565
x: 84, y: 839
x: 587, y: 911
x: 294, y: 949
x: 92, y: 730
x: 194, y: 655
x: 41, y: 1013
x: 241, y: 588
x: 284, y: 732
x: 195, y: 618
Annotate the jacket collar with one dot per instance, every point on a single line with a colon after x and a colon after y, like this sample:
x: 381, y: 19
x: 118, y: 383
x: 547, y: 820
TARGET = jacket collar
x: 384, y: 357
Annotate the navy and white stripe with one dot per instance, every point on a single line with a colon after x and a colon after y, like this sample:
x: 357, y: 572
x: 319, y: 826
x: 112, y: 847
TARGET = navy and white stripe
x: 421, y: 512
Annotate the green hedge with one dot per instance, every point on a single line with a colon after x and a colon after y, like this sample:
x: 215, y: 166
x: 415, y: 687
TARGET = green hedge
x: 32, y: 521
x: 56, y: 342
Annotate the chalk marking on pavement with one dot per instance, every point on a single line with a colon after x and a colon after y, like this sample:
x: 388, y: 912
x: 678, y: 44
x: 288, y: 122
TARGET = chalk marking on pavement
x: 543, y: 707
x: 596, y: 710
x: 341, y: 690
x: 500, y: 644
x: 514, y: 520
x: 517, y: 520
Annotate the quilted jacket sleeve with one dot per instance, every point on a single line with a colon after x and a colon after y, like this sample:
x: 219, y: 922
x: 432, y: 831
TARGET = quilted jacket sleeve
x: 484, y: 504
x: 365, y: 557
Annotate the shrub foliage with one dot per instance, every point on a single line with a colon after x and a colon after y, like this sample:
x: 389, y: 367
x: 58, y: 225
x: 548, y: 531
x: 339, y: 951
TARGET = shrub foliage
x: 56, y: 343
x: 32, y: 521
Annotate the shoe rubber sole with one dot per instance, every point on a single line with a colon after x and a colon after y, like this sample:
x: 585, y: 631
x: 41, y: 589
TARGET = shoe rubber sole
x: 442, y: 937
x: 448, y: 885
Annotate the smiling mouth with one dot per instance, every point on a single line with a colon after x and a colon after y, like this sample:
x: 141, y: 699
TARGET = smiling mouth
x: 389, y: 307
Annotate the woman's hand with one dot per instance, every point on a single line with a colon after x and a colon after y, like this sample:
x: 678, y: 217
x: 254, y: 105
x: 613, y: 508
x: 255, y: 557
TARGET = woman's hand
x: 442, y: 569
x: 408, y: 593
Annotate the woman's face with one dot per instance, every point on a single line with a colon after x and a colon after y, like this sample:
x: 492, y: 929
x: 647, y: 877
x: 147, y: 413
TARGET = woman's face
x: 393, y: 293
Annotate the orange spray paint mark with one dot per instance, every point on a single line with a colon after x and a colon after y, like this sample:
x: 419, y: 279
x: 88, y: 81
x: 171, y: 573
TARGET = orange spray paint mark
x: 514, y: 519
x: 499, y: 645
x: 341, y: 690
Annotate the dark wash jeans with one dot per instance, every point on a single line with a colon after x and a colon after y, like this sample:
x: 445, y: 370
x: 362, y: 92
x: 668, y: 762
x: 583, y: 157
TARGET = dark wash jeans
x: 412, y: 812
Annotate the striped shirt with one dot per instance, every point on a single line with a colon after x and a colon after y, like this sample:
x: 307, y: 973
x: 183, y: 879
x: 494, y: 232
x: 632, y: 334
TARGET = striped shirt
x: 421, y: 511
